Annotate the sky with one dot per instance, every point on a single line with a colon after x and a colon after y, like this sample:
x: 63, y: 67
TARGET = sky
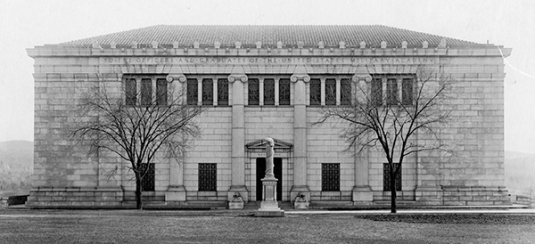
x: 26, y: 24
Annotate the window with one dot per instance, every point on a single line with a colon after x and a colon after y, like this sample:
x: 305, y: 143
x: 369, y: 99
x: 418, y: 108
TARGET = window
x: 387, y: 180
x: 345, y: 93
x: 207, y: 92
x: 315, y: 92
x: 147, y: 181
x: 207, y: 177
x: 392, y: 92
x: 269, y: 92
x: 407, y: 91
x: 146, y: 91
x: 254, y: 92
x: 284, y: 92
x: 222, y: 92
x: 330, y: 92
x: 131, y: 91
x: 161, y: 92
x: 330, y: 177
x: 377, y: 92
x: 192, y: 92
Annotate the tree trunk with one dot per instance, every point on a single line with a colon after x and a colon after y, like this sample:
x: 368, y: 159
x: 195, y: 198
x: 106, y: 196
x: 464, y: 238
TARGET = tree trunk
x: 393, y: 192
x: 139, y: 203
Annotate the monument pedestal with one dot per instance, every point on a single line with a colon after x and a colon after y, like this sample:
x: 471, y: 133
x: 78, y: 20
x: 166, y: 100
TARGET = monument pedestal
x: 269, y: 206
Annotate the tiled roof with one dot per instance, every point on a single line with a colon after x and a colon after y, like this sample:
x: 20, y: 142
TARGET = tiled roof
x: 269, y: 35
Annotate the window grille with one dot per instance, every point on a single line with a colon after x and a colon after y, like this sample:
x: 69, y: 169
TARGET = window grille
x: 192, y: 92
x: 387, y: 179
x: 207, y: 92
x: 269, y: 92
x: 222, y: 92
x: 254, y: 93
x: 161, y: 92
x: 330, y: 92
x: 207, y: 177
x: 330, y: 177
x: 131, y: 91
x: 377, y: 92
x: 147, y: 181
x: 315, y: 92
x: 392, y: 92
x: 146, y: 91
x: 345, y: 93
x: 407, y: 91
x: 284, y: 92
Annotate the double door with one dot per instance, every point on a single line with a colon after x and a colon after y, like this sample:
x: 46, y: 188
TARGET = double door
x: 261, y: 173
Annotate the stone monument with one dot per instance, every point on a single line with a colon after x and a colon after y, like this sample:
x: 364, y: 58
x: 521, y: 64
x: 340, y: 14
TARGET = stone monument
x: 269, y: 206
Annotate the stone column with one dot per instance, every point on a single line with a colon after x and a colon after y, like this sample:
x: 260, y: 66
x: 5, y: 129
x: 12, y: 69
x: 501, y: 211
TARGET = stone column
x: 300, y: 137
x: 338, y: 91
x: 361, y: 191
x: 238, y: 137
x: 322, y: 91
x: 261, y: 92
x: 176, y: 190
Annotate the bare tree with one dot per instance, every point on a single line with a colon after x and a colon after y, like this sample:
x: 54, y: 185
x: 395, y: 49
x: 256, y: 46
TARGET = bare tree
x: 395, y: 119
x: 136, y: 124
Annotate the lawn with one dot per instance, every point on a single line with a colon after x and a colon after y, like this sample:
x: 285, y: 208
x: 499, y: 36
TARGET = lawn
x: 238, y: 227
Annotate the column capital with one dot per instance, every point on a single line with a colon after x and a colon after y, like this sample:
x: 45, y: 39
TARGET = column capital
x: 362, y: 76
x: 234, y: 77
x: 173, y: 77
x: 303, y: 77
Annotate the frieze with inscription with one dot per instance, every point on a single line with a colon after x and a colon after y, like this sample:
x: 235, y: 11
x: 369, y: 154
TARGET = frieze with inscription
x: 274, y: 60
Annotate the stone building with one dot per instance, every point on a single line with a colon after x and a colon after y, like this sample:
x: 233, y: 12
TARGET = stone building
x: 270, y: 81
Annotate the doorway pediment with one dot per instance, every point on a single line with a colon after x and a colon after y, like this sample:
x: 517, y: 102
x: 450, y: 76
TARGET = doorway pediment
x: 261, y: 144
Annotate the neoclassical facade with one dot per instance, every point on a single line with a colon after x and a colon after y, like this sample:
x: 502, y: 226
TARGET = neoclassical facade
x: 270, y: 81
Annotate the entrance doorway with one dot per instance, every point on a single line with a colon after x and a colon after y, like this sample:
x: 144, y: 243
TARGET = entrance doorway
x: 261, y: 173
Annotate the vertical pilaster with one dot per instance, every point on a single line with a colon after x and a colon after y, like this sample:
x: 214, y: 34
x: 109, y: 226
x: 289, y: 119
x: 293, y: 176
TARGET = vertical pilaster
x: 215, y: 92
x: 361, y: 191
x: 176, y: 190
x: 322, y: 91
x: 199, y: 91
x: 300, y: 136
x: 238, y: 137
x: 277, y: 91
x: 338, y: 91
x: 261, y: 91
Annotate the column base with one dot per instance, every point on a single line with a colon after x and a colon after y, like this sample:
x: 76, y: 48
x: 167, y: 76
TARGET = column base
x: 175, y: 194
x: 242, y: 190
x: 362, y: 194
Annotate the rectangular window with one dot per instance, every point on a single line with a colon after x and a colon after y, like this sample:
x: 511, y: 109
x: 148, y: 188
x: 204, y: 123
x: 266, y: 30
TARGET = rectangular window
x: 315, y: 92
x: 222, y: 92
x: 147, y: 181
x: 330, y: 177
x: 386, y: 177
x: 254, y: 93
x: 330, y: 92
x: 207, y: 92
x: 392, y: 92
x: 407, y: 91
x: 377, y: 92
x: 269, y: 92
x: 161, y: 92
x: 345, y: 93
x: 146, y: 91
x: 284, y: 92
x: 192, y: 92
x: 207, y: 177
x: 131, y: 91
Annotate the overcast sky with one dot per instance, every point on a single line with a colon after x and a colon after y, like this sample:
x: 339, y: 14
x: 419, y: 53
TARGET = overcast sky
x: 25, y: 24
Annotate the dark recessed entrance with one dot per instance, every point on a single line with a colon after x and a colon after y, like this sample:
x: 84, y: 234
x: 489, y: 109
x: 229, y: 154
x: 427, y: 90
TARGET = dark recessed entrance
x: 261, y: 173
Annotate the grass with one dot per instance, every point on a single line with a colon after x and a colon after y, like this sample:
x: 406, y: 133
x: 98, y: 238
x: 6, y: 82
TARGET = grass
x: 236, y: 227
